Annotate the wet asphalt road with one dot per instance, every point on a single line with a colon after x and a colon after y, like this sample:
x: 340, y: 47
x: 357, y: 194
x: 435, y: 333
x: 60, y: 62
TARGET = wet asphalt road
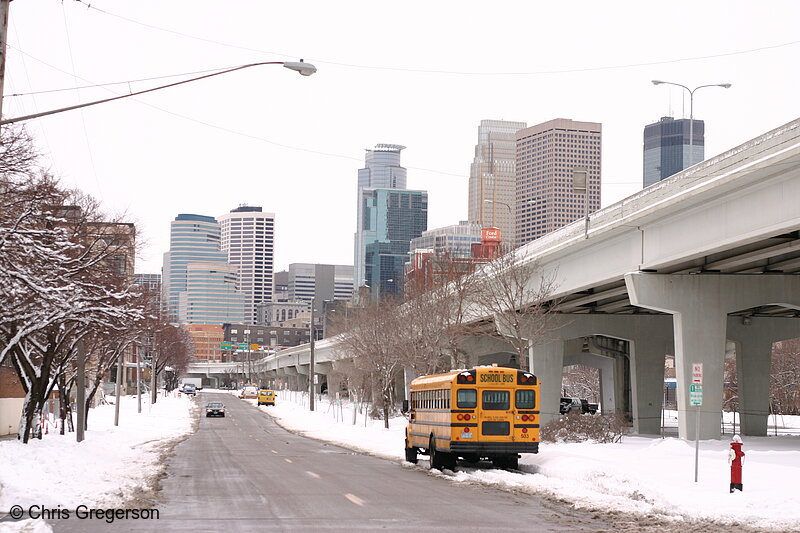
x: 245, y: 473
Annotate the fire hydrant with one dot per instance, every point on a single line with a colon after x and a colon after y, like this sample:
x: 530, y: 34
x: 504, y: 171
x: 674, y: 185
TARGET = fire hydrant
x: 736, y: 459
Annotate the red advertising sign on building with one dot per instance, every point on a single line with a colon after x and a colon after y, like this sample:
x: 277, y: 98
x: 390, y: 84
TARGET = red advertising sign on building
x: 490, y: 235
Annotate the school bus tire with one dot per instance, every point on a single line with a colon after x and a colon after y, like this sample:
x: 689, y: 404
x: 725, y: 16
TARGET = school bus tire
x: 440, y: 460
x: 411, y: 453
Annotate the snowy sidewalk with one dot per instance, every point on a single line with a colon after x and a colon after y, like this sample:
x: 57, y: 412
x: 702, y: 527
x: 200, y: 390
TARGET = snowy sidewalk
x: 113, y: 465
x: 640, y: 475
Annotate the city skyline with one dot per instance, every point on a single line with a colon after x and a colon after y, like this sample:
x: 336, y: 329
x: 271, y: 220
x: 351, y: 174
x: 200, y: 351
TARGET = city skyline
x: 267, y: 136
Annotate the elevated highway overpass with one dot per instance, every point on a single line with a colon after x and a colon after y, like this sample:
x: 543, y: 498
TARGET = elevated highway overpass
x: 705, y: 260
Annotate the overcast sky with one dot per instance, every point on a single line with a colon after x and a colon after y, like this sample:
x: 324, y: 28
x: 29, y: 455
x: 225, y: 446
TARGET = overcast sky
x: 420, y: 74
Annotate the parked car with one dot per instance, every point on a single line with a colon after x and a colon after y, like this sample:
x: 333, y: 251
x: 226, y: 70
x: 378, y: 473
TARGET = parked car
x: 215, y: 409
x: 188, y: 388
x: 577, y: 405
x: 249, y: 391
x: 266, y: 397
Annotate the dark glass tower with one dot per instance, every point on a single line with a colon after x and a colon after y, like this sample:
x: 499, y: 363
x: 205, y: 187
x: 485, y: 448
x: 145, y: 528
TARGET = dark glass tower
x: 667, y: 150
x: 392, y: 217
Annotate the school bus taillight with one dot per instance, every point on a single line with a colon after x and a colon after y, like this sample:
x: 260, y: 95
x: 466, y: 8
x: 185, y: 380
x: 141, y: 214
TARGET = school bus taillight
x: 526, y: 378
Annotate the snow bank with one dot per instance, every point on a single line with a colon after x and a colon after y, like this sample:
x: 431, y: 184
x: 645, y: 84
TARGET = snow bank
x: 110, y: 466
x: 640, y: 475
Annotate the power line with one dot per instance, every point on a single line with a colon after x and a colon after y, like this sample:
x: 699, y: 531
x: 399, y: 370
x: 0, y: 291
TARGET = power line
x: 571, y: 70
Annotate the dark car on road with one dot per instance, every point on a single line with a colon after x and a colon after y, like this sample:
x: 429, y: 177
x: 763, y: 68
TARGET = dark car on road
x: 215, y: 409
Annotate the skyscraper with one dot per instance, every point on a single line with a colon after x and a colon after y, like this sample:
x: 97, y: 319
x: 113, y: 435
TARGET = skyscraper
x: 247, y: 237
x: 392, y: 218
x: 667, y: 150
x: 381, y: 170
x: 492, y: 176
x: 309, y: 282
x: 198, y: 284
x: 547, y: 156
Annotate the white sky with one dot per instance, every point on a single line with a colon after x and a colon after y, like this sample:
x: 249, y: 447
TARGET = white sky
x: 420, y: 74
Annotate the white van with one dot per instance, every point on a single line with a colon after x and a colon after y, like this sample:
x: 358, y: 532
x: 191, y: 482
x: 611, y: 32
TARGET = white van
x: 249, y: 391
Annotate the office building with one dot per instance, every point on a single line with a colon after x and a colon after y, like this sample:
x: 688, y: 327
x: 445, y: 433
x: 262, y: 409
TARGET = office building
x: 547, y: 156
x: 247, y: 237
x: 667, y: 150
x: 317, y: 282
x: 270, y: 313
x: 392, y: 218
x: 280, y: 283
x: 381, y: 170
x: 492, y: 176
x: 428, y: 269
x: 198, y: 285
x: 451, y: 241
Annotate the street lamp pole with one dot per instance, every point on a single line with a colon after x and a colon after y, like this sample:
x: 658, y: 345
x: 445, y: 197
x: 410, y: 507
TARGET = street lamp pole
x: 691, y: 108
x: 305, y: 69
x: 249, y: 369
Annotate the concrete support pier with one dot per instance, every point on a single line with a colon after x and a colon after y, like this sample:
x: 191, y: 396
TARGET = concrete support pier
x: 699, y: 305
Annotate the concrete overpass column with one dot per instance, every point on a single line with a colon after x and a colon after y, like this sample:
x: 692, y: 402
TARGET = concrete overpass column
x: 753, y: 362
x: 547, y: 363
x: 700, y: 304
x: 699, y: 322
x: 647, y: 378
x: 754, y: 337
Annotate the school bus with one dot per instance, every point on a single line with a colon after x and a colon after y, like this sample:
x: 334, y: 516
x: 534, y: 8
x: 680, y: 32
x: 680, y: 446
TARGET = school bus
x: 486, y: 413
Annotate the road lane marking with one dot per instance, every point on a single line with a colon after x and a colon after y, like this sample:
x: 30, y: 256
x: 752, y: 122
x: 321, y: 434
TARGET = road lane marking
x: 287, y: 459
x: 312, y: 474
x: 355, y: 499
x: 273, y: 451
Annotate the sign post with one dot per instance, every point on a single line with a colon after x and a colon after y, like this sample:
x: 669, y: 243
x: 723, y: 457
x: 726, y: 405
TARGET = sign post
x: 696, y: 400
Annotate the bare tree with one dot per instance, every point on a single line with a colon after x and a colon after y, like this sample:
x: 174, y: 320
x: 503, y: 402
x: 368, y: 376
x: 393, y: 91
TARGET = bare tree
x: 518, y: 295
x: 75, y: 280
x: 373, y: 344
x: 785, y: 376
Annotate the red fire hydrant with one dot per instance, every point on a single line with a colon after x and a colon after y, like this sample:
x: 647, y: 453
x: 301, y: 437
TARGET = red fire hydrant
x: 736, y: 459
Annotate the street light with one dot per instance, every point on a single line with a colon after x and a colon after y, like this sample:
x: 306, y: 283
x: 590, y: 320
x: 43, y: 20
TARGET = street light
x: 580, y: 185
x: 490, y: 201
x: 305, y: 69
x: 691, y: 108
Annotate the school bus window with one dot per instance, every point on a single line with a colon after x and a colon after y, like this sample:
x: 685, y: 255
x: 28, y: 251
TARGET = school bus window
x: 467, y: 399
x: 497, y: 400
x: 526, y: 399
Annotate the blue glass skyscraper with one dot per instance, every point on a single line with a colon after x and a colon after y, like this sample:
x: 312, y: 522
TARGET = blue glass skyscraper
x: 198, y: 284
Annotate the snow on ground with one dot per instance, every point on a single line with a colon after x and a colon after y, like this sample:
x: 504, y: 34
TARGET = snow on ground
x: 112, y: 464
x: 651, y: 476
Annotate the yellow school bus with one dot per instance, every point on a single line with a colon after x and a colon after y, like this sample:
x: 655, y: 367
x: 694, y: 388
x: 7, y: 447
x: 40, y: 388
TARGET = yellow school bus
x: 486, y: 413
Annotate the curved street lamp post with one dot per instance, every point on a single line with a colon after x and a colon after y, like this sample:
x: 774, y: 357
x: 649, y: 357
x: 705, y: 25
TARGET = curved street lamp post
x: 305, y: 69
x: 691, y: 107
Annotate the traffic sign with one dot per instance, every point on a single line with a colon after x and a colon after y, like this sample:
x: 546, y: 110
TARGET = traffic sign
x: 242, y: 345
x: 225, y: 346
x: 254, y: 346
x: 695, y: 395
x: 697, y: 373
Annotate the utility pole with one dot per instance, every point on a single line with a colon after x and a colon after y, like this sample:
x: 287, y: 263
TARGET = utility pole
x: 139, y: 378
x: 118, y: 388
x: 3, y: 40
x: 80, y: 397
x: 311, y: 369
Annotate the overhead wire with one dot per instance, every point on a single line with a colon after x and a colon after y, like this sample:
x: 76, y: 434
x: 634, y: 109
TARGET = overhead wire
x: 83, y: 119
x: 570, y: 70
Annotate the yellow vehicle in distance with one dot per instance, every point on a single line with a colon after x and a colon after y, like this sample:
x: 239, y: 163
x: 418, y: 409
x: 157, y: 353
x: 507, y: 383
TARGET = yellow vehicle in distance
x: 266, y: 397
